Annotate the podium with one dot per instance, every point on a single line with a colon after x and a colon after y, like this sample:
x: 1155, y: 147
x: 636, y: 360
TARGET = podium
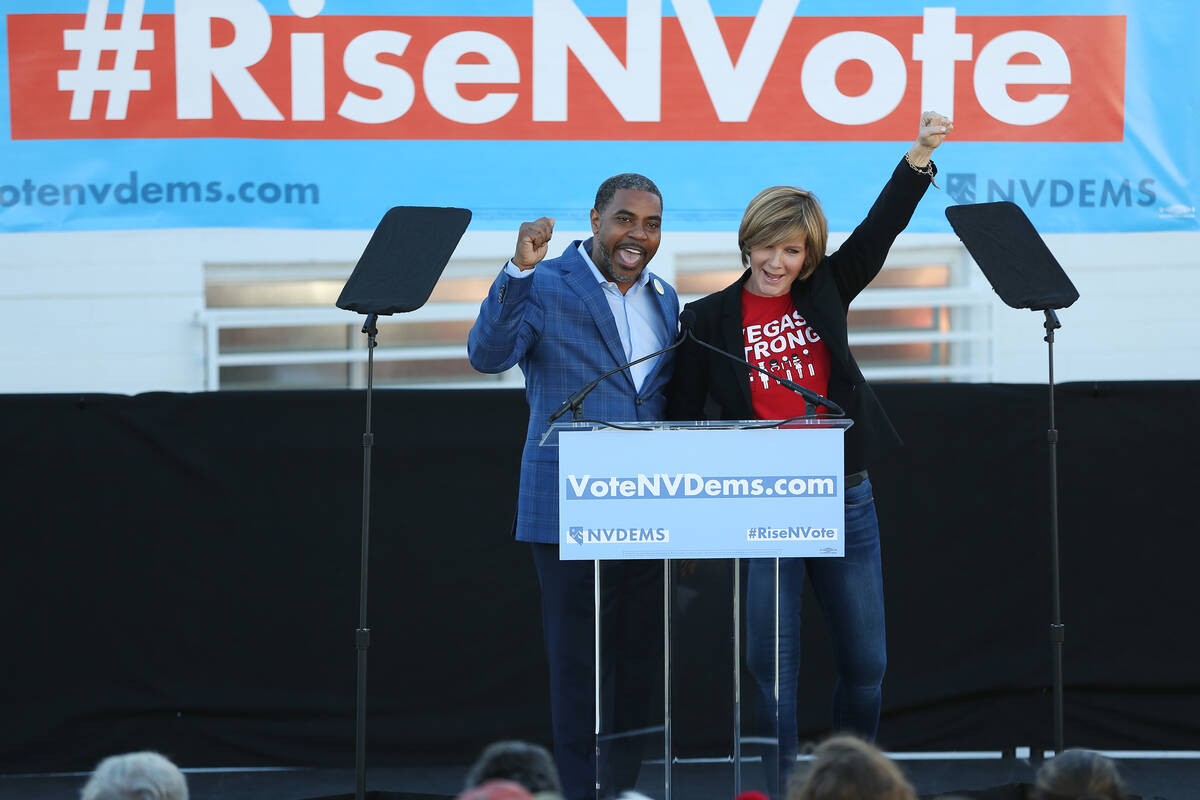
x: 656, y: 506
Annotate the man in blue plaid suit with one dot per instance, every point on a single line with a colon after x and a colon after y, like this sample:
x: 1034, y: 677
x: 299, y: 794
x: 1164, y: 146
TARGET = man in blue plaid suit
x: 566, y: 321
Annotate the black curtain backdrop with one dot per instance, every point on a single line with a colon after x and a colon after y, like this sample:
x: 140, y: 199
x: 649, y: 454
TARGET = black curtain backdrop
x: 180, y: 572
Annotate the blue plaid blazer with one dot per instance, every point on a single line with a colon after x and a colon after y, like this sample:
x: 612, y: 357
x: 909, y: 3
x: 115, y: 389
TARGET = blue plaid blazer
x: 557, y: 326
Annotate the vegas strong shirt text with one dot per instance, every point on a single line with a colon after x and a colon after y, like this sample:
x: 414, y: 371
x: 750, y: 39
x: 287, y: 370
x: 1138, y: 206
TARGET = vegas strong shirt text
x: 779, y: 340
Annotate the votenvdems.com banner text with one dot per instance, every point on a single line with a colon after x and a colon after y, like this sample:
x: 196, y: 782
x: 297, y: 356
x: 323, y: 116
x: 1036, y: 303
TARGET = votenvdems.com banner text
x: 323, y: 113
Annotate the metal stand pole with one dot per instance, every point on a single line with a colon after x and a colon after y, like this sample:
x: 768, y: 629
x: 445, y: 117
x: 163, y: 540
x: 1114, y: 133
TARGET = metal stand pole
x: 362, y: 636
x: 737, y: 675
x: 668, y: 745
x: 1057, y: 629
x: 596, y: 674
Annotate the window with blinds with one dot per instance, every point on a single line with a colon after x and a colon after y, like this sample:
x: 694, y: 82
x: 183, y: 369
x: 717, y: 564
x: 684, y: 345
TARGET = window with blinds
x: 275, y: 326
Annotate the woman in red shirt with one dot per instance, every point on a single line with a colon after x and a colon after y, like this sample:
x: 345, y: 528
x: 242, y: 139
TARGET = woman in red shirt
x: 787, y: 314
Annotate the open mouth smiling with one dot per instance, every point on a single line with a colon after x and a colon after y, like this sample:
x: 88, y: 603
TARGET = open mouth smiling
x: 628, y: 256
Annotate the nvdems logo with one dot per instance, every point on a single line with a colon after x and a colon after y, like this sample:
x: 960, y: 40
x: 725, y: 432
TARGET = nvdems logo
x: 964, y: 187
x: 961, y: 187
x: 581, y: 535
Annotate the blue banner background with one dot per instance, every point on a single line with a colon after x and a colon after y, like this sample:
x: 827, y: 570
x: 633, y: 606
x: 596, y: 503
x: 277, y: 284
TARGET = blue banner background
x: 505, y: 182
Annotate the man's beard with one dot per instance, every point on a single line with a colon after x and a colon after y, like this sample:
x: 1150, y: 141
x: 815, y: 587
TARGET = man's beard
x: 604, y: 262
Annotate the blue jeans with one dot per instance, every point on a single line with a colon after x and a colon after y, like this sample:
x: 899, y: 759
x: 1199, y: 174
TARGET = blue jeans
x: 850, y: 592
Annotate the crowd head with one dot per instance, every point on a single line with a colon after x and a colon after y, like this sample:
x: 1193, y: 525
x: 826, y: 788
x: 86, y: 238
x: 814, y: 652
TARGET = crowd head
x: 496, y: 789
x: 529, y: 765
x: 136, y: 776
x: 848, y: 768
x: 844, y: 767
x: 1079, y: 775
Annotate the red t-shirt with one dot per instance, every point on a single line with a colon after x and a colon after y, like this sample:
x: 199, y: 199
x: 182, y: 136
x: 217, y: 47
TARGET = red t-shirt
x: 779, y: 340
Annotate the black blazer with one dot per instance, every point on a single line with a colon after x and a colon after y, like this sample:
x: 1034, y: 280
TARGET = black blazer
x: 707, y: 385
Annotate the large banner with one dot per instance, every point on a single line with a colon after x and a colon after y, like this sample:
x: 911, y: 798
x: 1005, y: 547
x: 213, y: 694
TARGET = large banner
x: 310, y: 114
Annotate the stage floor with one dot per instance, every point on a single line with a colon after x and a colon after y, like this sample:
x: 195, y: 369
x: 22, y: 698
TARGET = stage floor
x: 1168, y: 778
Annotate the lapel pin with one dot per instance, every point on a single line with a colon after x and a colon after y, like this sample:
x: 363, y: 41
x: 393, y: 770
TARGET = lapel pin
x: 658, y: 287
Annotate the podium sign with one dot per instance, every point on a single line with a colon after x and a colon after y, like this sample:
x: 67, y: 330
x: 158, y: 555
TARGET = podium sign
x: 758, y: 493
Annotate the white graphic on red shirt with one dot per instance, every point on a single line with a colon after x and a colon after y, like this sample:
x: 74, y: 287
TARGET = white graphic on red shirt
x: 773, y: 347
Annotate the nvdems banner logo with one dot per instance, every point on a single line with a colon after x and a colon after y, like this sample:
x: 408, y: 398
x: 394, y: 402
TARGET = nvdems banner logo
x: 701, y: 493
x: 581, y: 535
x: 320, y: 113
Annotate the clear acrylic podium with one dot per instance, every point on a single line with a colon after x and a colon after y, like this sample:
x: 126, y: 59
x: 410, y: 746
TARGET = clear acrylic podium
x: 672, y: 626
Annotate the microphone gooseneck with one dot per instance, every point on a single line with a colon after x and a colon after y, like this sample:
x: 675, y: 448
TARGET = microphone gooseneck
x: 811, y: 398
x: 574, y: 403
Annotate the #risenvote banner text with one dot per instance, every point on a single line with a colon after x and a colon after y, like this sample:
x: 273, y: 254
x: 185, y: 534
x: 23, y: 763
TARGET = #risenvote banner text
x: 759, y: 493
x: 124, y: 114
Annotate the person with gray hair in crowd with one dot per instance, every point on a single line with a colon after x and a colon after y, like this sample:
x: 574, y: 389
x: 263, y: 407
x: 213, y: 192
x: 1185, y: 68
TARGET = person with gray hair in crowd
x: 136, y: 776
x: 1079, y: 775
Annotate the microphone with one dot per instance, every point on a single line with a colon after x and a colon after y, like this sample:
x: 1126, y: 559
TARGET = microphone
x: 687, y: 321
x: 574, y: 403
x: 811, y: 398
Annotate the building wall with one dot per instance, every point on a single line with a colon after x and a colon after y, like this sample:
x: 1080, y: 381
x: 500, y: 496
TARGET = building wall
x: 118, y: 311
x: 1136, y: 317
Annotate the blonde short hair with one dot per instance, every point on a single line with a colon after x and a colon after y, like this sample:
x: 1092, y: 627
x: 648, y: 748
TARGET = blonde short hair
x: 848, y: 768
x: 785, y: 214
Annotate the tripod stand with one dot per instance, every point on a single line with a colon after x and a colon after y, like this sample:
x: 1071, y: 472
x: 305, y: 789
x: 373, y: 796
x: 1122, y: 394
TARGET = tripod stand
x: 1025, y: 274
x: 396, y: 273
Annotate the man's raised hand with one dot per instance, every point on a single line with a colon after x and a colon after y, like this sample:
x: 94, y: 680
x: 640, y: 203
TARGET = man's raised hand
x: 532, y: 242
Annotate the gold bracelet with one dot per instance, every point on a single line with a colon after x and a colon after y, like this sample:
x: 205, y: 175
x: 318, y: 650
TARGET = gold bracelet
x: 927, y: 170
